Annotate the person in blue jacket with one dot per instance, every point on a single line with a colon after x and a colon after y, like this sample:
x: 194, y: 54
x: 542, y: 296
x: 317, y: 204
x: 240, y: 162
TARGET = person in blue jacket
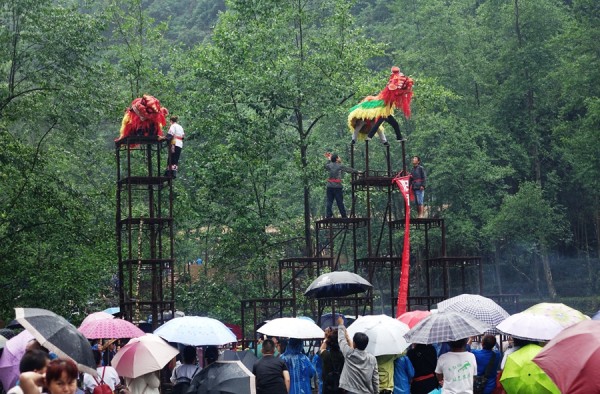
x: 299, y: 366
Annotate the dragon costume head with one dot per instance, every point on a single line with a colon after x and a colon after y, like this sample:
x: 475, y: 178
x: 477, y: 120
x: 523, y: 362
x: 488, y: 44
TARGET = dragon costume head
x: 144, y: 117
x: 398, y: 91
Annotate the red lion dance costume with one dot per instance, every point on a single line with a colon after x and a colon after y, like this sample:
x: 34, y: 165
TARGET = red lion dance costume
x: 144, y: 118
x: 365, y: 119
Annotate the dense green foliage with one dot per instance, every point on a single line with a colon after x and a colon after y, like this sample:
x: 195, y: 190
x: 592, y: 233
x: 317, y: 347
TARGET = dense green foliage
x: 506, y: 118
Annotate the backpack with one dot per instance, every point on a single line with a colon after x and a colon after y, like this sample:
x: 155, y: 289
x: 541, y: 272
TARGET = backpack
x: 182, y: 386
x: 479, y: 382
x: 101, y: 387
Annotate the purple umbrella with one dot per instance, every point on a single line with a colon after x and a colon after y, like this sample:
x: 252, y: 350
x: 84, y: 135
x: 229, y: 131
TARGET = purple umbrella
x: 11, y: 357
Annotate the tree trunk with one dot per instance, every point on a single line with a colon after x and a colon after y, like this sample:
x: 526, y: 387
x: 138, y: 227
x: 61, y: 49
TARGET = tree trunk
x: 307, y: 228
x: 498, y: 269
x: 548, y: 272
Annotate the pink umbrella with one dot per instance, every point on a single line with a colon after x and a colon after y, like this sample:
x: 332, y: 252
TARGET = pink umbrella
x: 572, y: 357
x: 413, y: 317
x: 143, y: 355
x: 110, y: 328
x: 96, y: 316
x: 11, y: 357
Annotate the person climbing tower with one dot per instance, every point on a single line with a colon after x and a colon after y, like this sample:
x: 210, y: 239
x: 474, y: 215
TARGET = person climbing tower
x: 335, y: 189
x: 175, y: 138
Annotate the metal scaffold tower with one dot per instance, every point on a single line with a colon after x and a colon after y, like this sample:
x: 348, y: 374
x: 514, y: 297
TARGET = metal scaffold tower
x: 369, y: 243
x: 145, y: 233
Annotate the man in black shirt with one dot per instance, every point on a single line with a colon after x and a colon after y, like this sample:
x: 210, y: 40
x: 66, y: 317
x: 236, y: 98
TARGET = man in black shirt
x: 272, y: 376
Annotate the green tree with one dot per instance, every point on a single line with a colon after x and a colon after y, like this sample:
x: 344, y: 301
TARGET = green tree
x: 525, y: 229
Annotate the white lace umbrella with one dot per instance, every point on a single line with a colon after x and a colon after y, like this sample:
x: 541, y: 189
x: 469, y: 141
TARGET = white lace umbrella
x: 196, y: 331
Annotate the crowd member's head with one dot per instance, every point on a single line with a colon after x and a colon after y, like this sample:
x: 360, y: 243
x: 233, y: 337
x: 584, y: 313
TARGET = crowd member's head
x: 61, y: 377
x: 332, y: 340
x: 34, y: 360
x: 488, y: 342
x: 268, y: 347
x: 459, y: 344
x: 35, y: 345
x: 211, y: 354
x: 97, y: 357
x: 360, y: 340
x: 282, y: 345
x: 189, y: 355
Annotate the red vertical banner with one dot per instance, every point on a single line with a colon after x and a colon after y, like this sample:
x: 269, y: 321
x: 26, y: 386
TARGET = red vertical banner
x: 403, y: 185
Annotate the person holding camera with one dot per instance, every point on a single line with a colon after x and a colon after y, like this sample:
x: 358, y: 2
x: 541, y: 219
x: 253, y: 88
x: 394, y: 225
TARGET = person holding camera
x: 360, y: 374
x: 332, y: 361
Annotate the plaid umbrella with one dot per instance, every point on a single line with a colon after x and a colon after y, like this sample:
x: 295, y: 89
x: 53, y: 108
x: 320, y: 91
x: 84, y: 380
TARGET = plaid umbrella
x: 444, y: 327
x: 482, y: 308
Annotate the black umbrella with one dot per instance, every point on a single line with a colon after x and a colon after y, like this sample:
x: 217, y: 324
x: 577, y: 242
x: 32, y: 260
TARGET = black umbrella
x: 247, y: 357
x: 13, y: 324
x: 337, y: 284
x: 56, y: 334
x: 224, y: 377
x: 7, y: 333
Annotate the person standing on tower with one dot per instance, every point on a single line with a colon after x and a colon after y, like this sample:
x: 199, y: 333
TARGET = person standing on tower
x: 175, y: 139
x: 335, y: 190
x: 417, y: 183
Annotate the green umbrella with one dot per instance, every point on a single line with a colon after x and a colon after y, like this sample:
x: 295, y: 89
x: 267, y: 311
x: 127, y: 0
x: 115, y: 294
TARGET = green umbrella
x: 522, y: 376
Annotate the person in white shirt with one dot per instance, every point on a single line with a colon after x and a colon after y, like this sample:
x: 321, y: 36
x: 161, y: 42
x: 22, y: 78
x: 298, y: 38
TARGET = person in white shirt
x: 457, y: 368
x: 106, y: 374
x: 185, y: 372
x: 175, y: 139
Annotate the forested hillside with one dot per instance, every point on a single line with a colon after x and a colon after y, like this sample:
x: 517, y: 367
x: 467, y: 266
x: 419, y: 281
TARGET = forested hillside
x: 506, y: 118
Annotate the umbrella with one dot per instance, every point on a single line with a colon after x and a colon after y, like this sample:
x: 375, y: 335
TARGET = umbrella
x: 482, y: 308
x: 330, y: 320
x: 561, y: 313
x: 11, y: 357
x: 236, y: 330
x: 596, y: 316
x: 96, y: 316
x: 337, y: 284
x: 411, y: 318
x: 224, y: 377
x: 113, y: 310
x: 385, y: 334
x: 444, y: 327
x: 143, y: 355
x: 529, y: 326
x: 110, y: 328
x: 247, y: 357
x: 572, y: 357
x: 13, y: 324
x: 7, y: 333
x: 56, y: 334
x: 522, y: 376
x: 196, y: 331
x: 292, y: 327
